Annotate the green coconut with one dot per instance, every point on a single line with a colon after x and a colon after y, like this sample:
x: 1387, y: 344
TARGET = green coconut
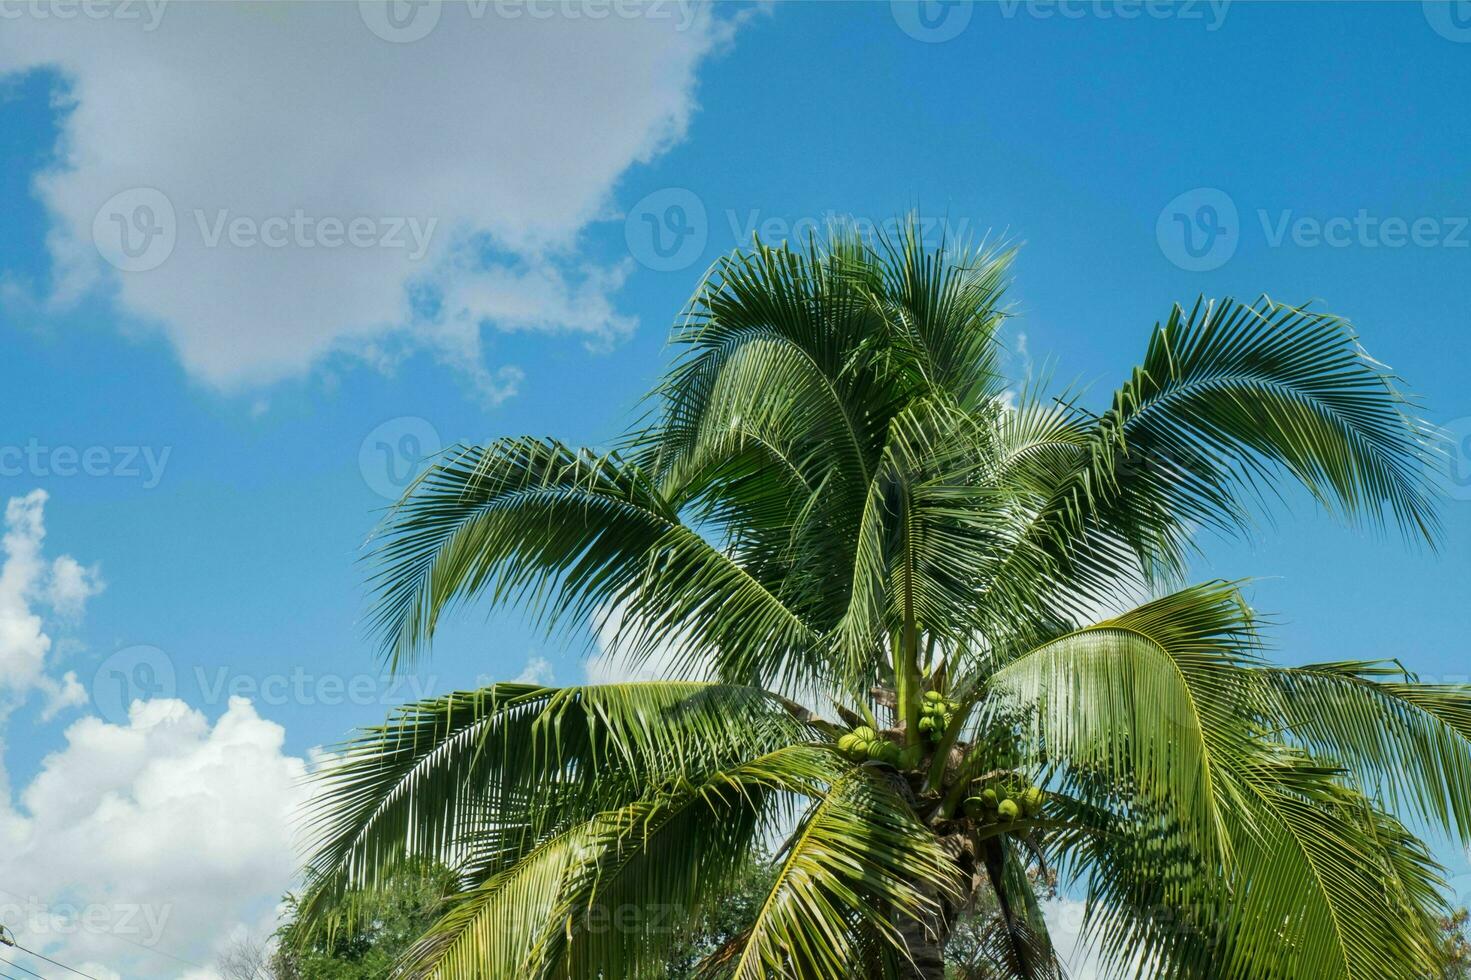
x: 974, y: 807
x: 1008, y: 811
x: 878, y: 748
x: 1032, y: 801
x: 865, y: 734
x: 911, y: 757
x: 933, y: 696
x: 847, y: 743
x: 989, y: 797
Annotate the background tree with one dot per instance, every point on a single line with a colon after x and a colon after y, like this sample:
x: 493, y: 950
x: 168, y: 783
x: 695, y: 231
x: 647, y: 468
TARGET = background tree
x: 838, y: 500
x: 366, y: 941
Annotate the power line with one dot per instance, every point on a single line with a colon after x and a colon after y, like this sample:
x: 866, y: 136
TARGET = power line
x: 43, y: 956
x: 121, y: 938
x: 19, y: 967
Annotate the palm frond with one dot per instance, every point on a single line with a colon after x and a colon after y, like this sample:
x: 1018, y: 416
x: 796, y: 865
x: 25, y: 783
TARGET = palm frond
x: 568, y: 536
x: 859, y: 862
x: 1154, y: 700
x: 604, y: 898
x: 1406, y: 742
x: 474, y: 779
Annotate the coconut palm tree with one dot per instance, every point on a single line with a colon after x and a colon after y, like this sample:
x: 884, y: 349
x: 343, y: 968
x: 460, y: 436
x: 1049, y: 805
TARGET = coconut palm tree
x: 897, y: 598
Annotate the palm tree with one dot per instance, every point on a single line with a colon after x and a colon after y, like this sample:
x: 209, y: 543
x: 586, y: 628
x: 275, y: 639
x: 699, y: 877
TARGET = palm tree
x: 896, y: 594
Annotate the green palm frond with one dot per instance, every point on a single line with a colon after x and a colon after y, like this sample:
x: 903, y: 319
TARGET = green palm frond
x: 1156, y: 698
x: 475, y: 778
x: 606, y: 897
x: 1322, y: 884
x: 834, y: 492
x: 1407, y: 742
x: 860, y: 862
x: 568, y: 536
x: 1228, y: 391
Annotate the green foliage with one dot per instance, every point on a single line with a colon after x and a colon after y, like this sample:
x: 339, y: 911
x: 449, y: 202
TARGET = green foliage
x: 384, y: 925
x: 836, y: 498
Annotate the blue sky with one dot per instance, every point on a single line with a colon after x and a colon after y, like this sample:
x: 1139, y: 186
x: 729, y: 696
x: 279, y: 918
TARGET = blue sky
x: 1076, y: 130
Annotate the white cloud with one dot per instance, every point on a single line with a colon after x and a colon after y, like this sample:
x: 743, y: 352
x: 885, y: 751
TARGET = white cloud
x: 496, y: 140
x: 538, y: 670
x: 30, y: 586
x: 612, y: 663
x: 71, y: 585
x: 139, y: 847
x: 1065, y: 925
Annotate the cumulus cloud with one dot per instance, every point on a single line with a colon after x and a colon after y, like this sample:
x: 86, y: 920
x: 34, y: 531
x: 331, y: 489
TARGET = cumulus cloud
x: 220, y: 155
x: 139, y: 847
x: 29, y: 587
x: 538, y: 670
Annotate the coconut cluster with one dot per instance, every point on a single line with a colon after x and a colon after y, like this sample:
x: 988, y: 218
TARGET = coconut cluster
x: 935, y: 716
x: 863, y: 744
x: 1003, y: 801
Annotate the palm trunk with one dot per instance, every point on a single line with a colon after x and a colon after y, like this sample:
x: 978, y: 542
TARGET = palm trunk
x: 926, y: 938
x: 926, y: 942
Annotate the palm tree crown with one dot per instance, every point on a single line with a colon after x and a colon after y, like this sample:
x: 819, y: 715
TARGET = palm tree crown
x: 838, y: 499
